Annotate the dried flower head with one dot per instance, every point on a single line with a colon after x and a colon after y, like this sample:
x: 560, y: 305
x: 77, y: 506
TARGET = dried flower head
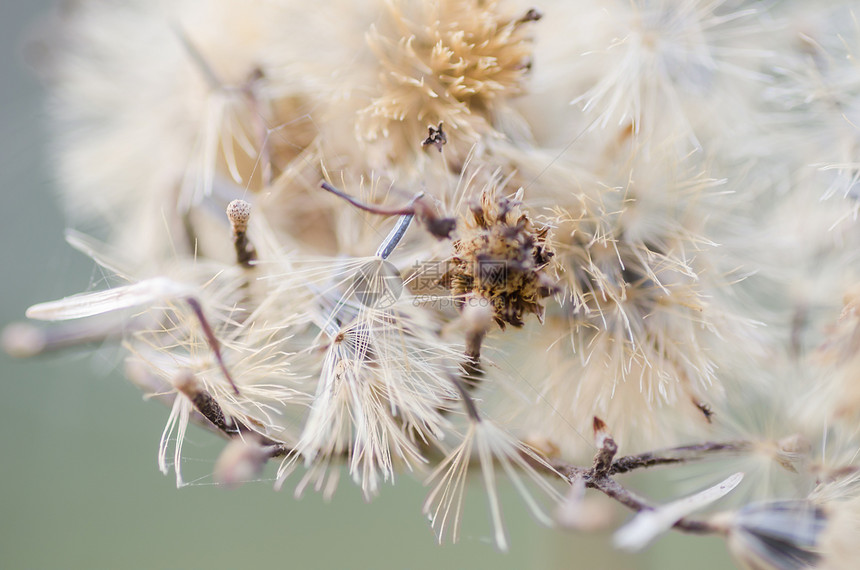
x: 637, y: 336
x: 669, y: 72
x: 501, y: 256
x: 451, y: 61
x: 165, y: 103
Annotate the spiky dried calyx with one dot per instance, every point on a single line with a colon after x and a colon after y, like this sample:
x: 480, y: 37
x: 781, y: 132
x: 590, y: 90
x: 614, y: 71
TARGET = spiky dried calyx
x: 501, y: 256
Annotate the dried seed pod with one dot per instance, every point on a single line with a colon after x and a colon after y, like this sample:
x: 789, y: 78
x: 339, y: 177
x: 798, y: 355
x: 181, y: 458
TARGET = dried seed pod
x: 501, y: 256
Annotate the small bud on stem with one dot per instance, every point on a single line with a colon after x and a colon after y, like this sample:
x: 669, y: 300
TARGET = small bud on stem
x: 239, y: 212
x: 607, y: 448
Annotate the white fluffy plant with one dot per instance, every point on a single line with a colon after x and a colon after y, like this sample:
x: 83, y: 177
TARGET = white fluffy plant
x: 481, y: 236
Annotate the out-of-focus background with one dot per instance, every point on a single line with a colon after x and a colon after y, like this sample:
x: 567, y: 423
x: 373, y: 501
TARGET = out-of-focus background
x: 79, y: 485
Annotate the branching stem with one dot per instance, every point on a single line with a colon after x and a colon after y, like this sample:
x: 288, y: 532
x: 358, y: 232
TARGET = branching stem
x: 600, y: 475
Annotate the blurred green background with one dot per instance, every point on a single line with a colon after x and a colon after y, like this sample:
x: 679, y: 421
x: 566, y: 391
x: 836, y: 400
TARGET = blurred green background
x: 79, y: 485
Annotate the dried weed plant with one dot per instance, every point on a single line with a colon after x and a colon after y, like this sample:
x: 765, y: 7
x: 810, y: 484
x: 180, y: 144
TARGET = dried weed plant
x: 466, y: 235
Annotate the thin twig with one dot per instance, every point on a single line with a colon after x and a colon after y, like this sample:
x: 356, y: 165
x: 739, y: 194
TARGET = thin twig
x: 211, y: 339
x: 600, y: 475
x: 439, y: 227
x: 682, y: 454
x: 468, y: 402
x: 407, y: 210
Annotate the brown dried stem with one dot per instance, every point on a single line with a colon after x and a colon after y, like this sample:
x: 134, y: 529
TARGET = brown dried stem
x: 419, y: 207
x: 601, y: 475
x: 209, y: 408
x: 211, y: 339
x: 683, y: 454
